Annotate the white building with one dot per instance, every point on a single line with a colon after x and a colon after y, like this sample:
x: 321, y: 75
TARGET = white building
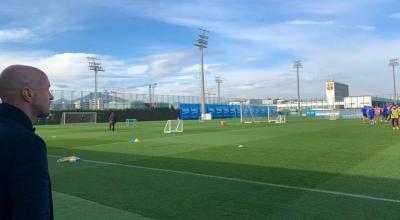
x: 337, y: 97
x: 336, y: 92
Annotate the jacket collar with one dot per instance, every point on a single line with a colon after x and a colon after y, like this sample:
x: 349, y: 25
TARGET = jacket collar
x: 15, y: 114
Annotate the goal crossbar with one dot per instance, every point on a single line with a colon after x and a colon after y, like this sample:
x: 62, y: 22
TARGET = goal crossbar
x: 78, y: 117
x: 173, y: 126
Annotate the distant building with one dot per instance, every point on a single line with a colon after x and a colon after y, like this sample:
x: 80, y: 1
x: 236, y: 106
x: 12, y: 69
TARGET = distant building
x: 361, y: 101
x: 336, y: 92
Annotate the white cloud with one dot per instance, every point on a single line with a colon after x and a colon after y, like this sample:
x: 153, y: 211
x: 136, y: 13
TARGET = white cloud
x: 16, y: 34
x: 366, y: 28
x: 169, y: 63
x: 395, y: 15
x: 249, y: 60
x: 327, y: 50
x: 327, y: 7
x: 310, y: 22
x: 70, y: 70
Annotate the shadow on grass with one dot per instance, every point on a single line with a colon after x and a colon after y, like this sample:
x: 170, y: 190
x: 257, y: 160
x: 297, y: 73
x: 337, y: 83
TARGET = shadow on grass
x: 165, y: 195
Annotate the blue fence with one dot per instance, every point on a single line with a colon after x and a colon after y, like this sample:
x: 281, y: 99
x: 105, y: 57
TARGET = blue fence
x: 341, y: 113
x: 193, y: 111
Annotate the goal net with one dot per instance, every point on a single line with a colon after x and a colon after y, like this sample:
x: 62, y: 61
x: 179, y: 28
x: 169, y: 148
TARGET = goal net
x: 173, y: 126
x: 253, y: 114
x: 78, y: 117
x: 333, y: 115
x: 275, y: 116
x: 130, y: 121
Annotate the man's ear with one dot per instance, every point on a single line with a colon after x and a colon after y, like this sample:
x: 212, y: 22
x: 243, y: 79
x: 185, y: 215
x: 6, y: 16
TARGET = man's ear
x: 27, y: 94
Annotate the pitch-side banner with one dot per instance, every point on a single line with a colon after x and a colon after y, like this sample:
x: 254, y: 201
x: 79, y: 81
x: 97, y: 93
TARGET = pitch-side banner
x: 193, y: 111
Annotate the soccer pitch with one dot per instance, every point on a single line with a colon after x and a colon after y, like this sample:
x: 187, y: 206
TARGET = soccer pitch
x: 304, y: 169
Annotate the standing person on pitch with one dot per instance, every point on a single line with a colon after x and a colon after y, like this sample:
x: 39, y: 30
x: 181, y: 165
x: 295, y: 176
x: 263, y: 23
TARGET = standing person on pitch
x: 112, y: 119
x: 385, y: 114
x: 364, y: 111
x: 395, y: 117
x: 25, y: 188
x: 371, y: 114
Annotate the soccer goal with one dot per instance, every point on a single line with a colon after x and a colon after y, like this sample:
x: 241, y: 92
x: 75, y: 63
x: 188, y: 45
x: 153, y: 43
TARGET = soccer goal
x: 173, y: 126
x: 275, y: 116
x: 130, y: 122
x: 78, y: 117
x: 253, y: 114
x: 333, y: 115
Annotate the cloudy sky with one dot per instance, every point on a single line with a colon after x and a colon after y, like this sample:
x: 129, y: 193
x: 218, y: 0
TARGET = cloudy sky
x: 252, y: 44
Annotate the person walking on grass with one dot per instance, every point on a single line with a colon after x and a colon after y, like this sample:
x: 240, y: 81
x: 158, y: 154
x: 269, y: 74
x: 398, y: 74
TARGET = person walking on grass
x: 112, y: 119
x: 364, y: 112
x: 395, y: 117
x: 385, y: 114
x: 371, y: 114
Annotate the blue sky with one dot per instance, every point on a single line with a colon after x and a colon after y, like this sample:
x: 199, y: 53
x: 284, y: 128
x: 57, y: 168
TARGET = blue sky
x: 252, y: 44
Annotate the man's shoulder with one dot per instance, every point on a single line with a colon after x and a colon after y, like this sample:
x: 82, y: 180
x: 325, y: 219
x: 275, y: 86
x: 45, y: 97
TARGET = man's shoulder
x: 11, y: 131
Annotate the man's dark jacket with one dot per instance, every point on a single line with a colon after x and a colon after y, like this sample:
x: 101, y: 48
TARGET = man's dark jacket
x: 25, y: 189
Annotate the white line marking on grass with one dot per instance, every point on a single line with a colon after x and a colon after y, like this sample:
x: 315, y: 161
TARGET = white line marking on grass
x: 247, y: 181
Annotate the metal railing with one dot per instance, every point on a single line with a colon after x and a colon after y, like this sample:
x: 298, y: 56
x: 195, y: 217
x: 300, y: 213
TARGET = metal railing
x: 69, y: 100
x: 86, y: 100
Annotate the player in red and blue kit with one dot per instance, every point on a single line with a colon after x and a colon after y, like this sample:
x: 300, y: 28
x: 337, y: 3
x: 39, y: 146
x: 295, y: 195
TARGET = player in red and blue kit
x: 385, y: 114
x: 371, y: 114
x: 364, y: 111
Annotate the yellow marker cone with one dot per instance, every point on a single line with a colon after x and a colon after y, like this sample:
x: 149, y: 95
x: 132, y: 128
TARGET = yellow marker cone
x: 136, y: 140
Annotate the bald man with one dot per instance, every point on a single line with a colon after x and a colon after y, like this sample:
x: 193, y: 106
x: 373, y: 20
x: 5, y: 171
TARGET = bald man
x: 25, y: 189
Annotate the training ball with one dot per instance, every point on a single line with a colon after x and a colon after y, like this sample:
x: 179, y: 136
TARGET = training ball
x: 240, y: 145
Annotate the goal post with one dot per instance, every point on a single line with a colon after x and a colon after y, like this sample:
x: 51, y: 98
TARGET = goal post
x: 333, y: 115
x: 130, y: 121
x: 173, y: 126
x: 275, y: 116
x: 78, y: 117
x: 253, y: 114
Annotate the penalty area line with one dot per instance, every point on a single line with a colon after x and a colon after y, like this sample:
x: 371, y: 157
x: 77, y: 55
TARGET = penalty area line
x: 232, y: 179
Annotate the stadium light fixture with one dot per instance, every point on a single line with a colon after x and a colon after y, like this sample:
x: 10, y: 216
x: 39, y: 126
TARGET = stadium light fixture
x: 297, y: 65
x: 201, y: 43
x: 219, y: 80
x: 151, y: 94
x: 393, y: 63
x: 95, y: 65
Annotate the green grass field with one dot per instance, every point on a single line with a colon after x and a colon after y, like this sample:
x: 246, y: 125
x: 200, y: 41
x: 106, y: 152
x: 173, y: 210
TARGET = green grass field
x: 304, y: 169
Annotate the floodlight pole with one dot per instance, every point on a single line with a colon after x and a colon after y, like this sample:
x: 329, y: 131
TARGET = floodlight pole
x: 297, y: 65
x: 201, y: 43
x: 393, y: 63
x: 95, y: 65
x: 218, y: 80
x: 151, y: 93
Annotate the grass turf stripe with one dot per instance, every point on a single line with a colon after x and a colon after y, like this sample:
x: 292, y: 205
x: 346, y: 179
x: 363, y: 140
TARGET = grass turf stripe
x: 246, y: 181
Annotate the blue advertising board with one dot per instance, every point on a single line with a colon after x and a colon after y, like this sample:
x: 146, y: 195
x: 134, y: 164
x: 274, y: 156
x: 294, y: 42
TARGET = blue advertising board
x: 192, y: 111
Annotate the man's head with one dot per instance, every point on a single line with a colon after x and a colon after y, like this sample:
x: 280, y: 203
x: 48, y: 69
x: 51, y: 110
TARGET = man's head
x: 26, y: 88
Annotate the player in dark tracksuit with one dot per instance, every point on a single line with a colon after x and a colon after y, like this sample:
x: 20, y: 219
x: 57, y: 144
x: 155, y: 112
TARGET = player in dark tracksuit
x: 364, y: 111
x: 385, y: 114
x: 371, y: 114
x: 112, y: 119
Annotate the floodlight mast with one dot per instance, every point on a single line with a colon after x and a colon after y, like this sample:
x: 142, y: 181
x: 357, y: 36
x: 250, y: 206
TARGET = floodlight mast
x: 151, y: 90
x: 393, y: 63
x: 95, y: 65
x: 201, y: 43
x: 209, y: 94
x: 151, y: 94
x: 219, y: 80
x: 297, y: 65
